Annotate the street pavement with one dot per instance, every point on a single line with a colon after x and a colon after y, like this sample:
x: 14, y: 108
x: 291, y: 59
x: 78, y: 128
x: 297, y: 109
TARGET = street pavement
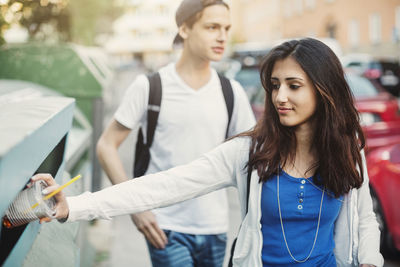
x: 118, y: 242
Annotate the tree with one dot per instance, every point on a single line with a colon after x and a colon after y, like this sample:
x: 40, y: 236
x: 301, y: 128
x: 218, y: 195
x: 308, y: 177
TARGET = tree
x: 59, y: 20
x: 91, y: 17
x: 3, y: 26
x: 42, y: 18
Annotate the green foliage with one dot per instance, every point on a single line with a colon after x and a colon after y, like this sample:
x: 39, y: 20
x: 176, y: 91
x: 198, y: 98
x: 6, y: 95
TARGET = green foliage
x: 90, y: 17
x: 43, y: 19
x: 60, y: 20
x: 3, y: 25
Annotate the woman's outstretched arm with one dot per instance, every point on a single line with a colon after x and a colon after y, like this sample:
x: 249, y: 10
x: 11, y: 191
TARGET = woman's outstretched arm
x: 212, y: 171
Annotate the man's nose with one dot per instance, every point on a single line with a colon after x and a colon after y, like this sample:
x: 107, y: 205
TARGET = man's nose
x: 223, y: 35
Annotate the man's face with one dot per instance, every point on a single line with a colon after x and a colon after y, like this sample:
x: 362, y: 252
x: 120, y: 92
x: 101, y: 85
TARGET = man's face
x: 208, y: 36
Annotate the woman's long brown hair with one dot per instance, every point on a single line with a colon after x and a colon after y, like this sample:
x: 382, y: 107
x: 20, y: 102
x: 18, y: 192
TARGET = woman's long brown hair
x: 338, y: 137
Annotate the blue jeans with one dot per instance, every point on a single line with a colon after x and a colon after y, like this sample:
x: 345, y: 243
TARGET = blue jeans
x: 185, y: 250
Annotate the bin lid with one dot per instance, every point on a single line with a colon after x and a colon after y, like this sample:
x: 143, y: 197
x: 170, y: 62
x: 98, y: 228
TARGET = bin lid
x: 72, y: 70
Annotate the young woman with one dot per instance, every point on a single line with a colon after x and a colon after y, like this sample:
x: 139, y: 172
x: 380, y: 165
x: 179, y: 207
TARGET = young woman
x: 309, y: 202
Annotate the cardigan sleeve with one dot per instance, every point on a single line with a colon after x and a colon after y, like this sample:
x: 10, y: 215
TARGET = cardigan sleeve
x: 368, y: 229
x: 213, y: 171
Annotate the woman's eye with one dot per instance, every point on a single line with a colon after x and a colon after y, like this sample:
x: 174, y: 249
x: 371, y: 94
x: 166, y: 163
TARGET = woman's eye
x: 294, y: 86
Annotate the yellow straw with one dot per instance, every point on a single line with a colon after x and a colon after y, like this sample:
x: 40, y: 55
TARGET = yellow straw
x: 57, y: 190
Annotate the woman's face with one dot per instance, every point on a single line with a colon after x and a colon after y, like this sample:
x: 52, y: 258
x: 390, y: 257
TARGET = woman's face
x: 293, y: 94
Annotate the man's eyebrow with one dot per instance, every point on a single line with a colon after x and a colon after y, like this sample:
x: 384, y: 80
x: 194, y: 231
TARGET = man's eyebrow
x: 217, y: 24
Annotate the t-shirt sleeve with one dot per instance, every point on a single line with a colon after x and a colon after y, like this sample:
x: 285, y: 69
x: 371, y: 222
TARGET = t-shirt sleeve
x: 133, y: 107
x: 242, y: 116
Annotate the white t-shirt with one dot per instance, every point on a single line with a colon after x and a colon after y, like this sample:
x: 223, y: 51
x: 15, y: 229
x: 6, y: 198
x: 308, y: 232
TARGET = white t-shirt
x: 191, y: 122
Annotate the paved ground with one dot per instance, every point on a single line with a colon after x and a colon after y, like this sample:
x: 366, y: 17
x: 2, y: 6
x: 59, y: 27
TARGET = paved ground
x: 118, y: 242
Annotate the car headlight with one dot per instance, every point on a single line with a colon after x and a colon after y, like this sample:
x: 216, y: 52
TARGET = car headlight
x: 367, y: 118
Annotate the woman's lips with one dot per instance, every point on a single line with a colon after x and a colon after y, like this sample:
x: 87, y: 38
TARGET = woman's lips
x: 284, y: 110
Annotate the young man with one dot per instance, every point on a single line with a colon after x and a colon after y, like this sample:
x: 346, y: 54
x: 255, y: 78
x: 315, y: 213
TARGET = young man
x: 193, y: 119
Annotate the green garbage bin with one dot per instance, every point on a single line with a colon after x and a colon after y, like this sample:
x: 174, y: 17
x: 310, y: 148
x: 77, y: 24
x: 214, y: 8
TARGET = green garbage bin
x: 75, y: 71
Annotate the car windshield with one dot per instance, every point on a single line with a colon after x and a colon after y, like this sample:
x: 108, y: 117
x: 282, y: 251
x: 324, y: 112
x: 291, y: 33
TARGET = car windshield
x: 248, y: 77
x: 361, y: 87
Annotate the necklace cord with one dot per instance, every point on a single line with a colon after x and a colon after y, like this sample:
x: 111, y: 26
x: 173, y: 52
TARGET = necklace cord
x: 283, y: 230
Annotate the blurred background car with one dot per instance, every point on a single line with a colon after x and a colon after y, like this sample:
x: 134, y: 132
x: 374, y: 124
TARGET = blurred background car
x: 385, y: 71
x: 384, y: 173
x: 372, y: 101
x: 249, y: 78
x: 249, y: 57
x: 379, y: 111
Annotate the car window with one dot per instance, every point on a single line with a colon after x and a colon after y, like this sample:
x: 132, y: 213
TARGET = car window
x: 375, y: 65
x: 259, y: 98
x: 361, y: 87
x: 393, y: 67
x: 249, y: 78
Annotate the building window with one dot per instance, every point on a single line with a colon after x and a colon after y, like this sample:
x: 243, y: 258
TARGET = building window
x: 331, y: 30
x: 298, y: 4
x: 396, y: 33
x: 312, y: 34
x: 354, y: 33
x: 287, y: 8
x: 309, y: 4
x: 375, y: 28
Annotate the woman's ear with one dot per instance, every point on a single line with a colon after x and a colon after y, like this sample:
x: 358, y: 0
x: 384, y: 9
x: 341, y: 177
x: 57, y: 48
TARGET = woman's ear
x: 183, y: 31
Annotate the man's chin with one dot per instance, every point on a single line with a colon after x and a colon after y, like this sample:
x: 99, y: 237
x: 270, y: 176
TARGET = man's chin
x: 216, y: 58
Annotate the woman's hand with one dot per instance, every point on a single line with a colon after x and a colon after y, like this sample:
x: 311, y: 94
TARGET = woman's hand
x: 367, y: 265
x: 62, y: 209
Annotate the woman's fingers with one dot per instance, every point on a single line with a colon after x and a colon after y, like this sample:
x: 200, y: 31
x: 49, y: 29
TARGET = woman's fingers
x: 62, y: 209
x: 45, y: 177
x: 50, y: 189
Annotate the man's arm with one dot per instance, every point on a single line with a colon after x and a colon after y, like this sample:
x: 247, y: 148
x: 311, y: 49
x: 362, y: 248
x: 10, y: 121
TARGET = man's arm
x: 107, y: 152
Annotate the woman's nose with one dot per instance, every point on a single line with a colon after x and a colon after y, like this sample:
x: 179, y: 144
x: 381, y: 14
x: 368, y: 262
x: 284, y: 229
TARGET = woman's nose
x: 282, y: 96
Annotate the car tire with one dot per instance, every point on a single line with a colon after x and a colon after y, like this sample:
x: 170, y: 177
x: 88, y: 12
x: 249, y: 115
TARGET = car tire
x: 387, y: 245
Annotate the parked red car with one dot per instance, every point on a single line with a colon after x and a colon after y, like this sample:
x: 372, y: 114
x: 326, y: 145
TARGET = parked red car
x: 379, y: 112
x: 384, y: 173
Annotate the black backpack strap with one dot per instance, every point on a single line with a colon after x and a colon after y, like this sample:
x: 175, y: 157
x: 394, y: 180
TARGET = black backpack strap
x: 142, y: 151
x: 229, y: 98
x: 153, y: 107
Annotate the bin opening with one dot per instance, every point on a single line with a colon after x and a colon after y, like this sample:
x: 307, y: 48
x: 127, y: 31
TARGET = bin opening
x: 10, y: 236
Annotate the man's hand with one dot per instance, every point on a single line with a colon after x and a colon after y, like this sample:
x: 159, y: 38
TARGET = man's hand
x: 146, y: 223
